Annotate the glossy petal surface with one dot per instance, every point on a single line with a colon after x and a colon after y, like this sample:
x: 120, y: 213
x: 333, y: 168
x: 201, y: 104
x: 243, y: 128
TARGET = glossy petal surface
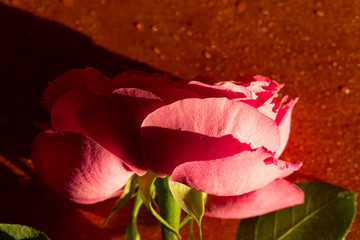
x: 235, y: 175
x: 203, y: 129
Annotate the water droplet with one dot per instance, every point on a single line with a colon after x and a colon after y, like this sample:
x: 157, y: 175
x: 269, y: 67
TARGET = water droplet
x: 156, y: 50
x: 341, y: 195
x: 175, y: 37
x: 138, y: 25
x: 265, y: 12
x: 240, y: 6
x: 92, y: 13
x: 207, y: 54
x: 344, y: 89
x: 154, y: 28
x: 319, y: 13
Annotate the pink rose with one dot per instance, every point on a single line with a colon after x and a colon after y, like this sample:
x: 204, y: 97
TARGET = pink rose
x: 222, y: 138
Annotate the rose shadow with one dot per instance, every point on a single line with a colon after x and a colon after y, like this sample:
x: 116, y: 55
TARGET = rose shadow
x: 34, y: 51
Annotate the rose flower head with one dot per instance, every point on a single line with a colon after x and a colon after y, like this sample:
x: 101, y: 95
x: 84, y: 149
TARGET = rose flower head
x: 221, y: 138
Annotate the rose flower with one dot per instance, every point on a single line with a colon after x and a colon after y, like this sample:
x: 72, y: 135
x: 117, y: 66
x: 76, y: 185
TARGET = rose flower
x: 222, y: 138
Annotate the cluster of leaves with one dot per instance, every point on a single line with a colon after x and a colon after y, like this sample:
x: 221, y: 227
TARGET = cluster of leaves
x: 145, y: 188
x: 327, y: 213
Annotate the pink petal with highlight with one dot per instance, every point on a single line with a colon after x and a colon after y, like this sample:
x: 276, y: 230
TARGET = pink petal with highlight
x: 78, y: 168
x: 235, y: 175
x: 274, y: 196
x: 283, y: 120
x: 217, y: 117
x: 113, y: 122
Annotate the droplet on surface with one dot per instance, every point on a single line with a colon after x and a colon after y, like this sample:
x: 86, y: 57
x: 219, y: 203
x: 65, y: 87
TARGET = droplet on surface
x: 265, y: 12
x: 207, y: 54
x: 240, y: 6
x: 154, y: 28
x: 319, y: 13
x: 344, y: 89
x: 138, y: 25
x: 156, y: 50
x: 92, y: 13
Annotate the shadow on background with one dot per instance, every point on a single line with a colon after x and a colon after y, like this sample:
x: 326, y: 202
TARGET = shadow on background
x: 34, y: 51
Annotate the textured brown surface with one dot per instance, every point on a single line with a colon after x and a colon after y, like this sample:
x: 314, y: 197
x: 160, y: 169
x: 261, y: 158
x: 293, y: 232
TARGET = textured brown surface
x: 311, y: 46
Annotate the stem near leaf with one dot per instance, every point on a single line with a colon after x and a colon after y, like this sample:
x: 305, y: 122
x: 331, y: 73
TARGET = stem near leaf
x: 170, y: 210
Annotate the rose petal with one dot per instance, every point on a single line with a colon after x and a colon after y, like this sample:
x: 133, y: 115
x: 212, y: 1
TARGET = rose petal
x: 235, y: 175
x: 212, y: 117
x: 165, y: 149
x: 222, y: 89
x: 283, y: 120
x: 268, y: 110
x: 113, y: 122
x: 170, y: 95
x: 263, y: 89
x: 88, y: 78
x: 274, y: 196
x: 77, y: 167
x: 137, y: 79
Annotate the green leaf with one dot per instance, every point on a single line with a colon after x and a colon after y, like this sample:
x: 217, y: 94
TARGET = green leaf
x: 131, y: 231
x: 147, y: 193
x: 124, y: 198
x: 327, y: 213
x: 190, y: 200
x: 16, y: 231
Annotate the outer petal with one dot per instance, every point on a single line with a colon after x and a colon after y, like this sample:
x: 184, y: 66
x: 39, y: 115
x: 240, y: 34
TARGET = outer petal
x: 137, y: 79
x: 78, y: 168
x: 170, y: 95
x: 283, y: 120
x: 171, y: 131
x: 264, y: 90
x: 114, y: 122
x: 274, y: 196
x: 88, y: 78
x: 221, y: 89
x: 244, y: 172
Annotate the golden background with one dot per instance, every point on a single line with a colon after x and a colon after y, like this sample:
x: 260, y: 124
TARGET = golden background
x: 311, y: 46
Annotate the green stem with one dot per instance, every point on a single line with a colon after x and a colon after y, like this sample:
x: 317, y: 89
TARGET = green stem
x: 169, y: 208
x: 131, y: 231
